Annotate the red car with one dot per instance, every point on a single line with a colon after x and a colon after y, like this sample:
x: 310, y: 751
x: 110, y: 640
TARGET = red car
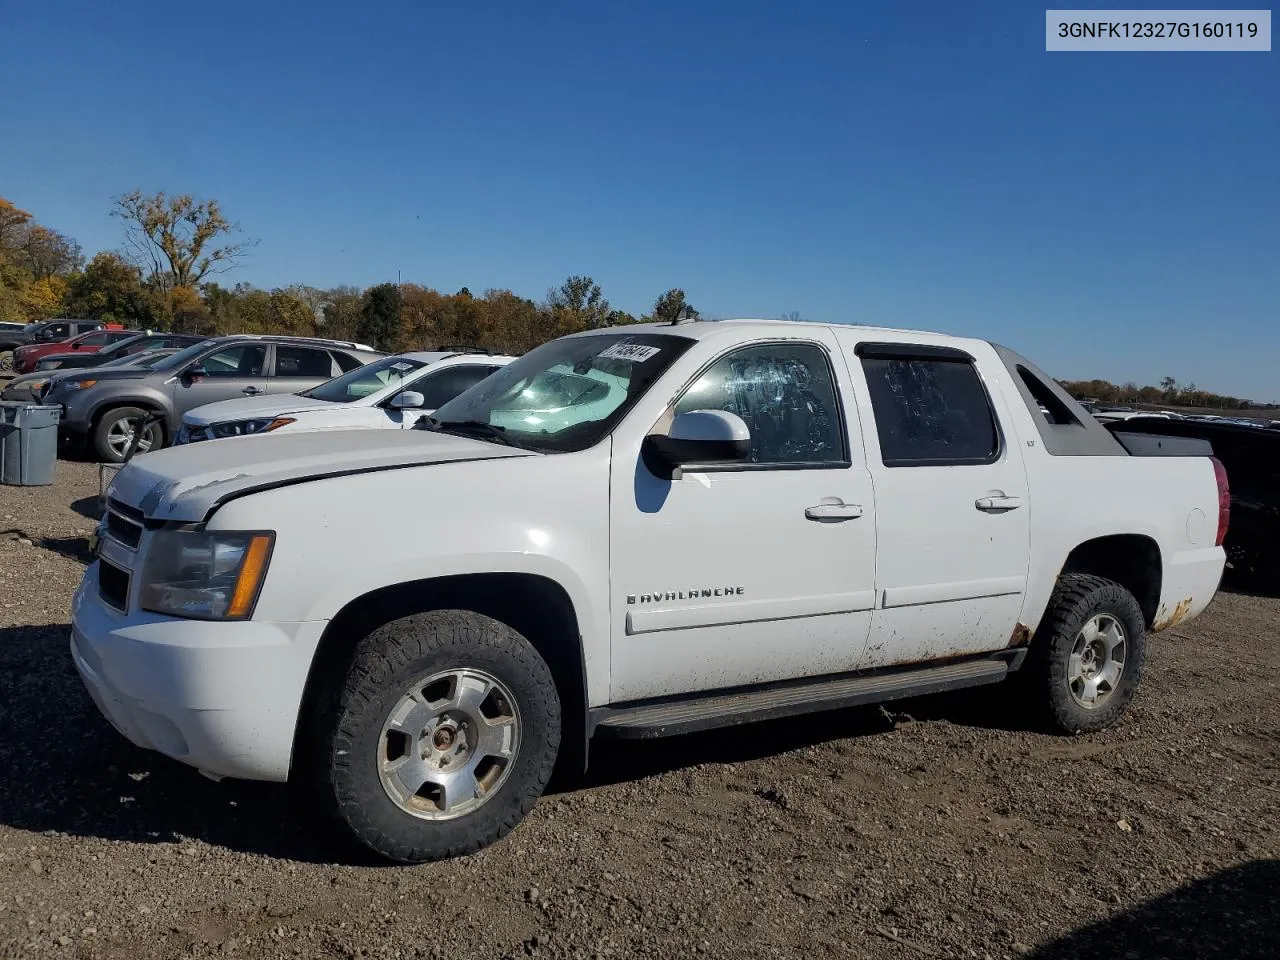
x: 25, y: 357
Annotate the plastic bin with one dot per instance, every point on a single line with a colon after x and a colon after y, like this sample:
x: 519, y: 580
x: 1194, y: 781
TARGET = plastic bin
x: 28, y: 443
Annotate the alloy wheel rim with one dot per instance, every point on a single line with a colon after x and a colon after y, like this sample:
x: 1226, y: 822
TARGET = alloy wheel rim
x: 1097, y: 661
x: 120, y: 435
x: 448, y: 744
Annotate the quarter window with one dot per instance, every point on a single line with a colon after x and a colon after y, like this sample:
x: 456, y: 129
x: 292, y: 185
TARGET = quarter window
x: 784, y: 393
x: 931, y: 412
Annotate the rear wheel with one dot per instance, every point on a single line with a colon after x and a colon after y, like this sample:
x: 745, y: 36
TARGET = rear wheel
x: 114, y: 432
x: 1086, y: 660
x: 444, y: 736
x: 6, y: 361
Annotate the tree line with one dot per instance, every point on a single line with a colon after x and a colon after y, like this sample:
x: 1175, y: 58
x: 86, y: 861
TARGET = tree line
x: 175, y: 248
x: 1169, y: 393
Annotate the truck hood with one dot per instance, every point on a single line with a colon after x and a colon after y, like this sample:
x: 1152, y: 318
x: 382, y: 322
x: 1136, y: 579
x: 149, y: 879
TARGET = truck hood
x: 187, y: 483
x: 245, y: 408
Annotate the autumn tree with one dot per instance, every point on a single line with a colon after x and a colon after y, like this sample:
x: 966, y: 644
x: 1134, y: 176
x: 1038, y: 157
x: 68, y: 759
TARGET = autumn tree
x: 110, y: 290
x: 620, y: 318
x: 671, y: 306
x: 35, y: 263
x: 578, y: 304
x: 379, y: 323
x: 178, y: 241
x: 340, y: 316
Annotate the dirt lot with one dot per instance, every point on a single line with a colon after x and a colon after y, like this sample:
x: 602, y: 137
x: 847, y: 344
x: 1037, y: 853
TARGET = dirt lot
x: 936, y: 829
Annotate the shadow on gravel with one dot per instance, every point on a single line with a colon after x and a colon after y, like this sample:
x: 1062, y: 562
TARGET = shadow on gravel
x: 74, y: 548
x: 1234, y: 914
x: 65, y: 769
x: 617, y: 761
x: 87, y: 507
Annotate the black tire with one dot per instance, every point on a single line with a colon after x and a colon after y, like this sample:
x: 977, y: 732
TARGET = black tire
x: 103, y: 435
x: 1076, y: 600
x: 391, y: 660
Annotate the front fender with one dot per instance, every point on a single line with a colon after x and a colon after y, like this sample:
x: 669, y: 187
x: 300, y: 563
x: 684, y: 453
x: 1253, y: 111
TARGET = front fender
x: 340, y: 538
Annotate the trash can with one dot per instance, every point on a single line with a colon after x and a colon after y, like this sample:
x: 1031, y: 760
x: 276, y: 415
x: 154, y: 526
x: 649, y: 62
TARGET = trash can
x: 28, y: 443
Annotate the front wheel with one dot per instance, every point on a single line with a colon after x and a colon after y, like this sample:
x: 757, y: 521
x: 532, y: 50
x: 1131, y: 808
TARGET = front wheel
x: 444, y: 736
x: 114, y: 433
x: 1086, y: 659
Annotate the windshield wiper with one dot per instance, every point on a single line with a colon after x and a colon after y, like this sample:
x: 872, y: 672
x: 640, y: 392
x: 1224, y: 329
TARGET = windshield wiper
x: 486, y: 430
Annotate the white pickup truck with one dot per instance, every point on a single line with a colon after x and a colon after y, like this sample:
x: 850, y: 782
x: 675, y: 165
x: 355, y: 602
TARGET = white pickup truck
x: 633, y: 532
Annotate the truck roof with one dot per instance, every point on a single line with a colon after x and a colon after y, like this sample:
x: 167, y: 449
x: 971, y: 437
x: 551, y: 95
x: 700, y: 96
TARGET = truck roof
x: 700, y: 329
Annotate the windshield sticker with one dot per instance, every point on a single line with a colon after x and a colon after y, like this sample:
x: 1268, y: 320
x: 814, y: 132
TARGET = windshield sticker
x: 401, y: 367
x: 635, y: 352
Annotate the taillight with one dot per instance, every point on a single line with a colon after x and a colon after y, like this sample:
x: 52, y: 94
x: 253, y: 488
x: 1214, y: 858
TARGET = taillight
x: 1224, y: 500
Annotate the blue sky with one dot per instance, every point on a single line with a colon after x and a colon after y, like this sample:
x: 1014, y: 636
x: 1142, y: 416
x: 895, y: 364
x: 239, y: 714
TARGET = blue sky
x: 916, y: 164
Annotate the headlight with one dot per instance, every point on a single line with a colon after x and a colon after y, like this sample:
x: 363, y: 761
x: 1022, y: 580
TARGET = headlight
x: 205, y: 575
x: 243, y: 428
x: 35, y: 386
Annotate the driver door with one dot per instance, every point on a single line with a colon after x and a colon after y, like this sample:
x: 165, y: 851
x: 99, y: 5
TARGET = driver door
x: 229, y: 373
x: 750, y: 571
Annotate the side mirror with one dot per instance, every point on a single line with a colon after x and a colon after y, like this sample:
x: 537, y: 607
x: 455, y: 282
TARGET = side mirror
x: 75, y: 346
x: 408, y: 400
x: 194, y: 372
x: 697, y: 437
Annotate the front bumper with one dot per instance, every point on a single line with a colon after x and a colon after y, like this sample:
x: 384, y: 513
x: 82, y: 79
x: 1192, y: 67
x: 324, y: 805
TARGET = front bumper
x: 221, y: 697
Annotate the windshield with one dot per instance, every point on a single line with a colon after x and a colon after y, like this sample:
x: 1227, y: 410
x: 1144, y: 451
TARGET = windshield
x: 362, y: 381
x: 184, y: 356
x: 125, y: 344
x: 147, y: 359
x: 565, y: 395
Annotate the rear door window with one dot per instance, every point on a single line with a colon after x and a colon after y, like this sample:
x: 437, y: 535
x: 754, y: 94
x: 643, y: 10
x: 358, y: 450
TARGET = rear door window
x: 302, y: 362
x: 931, y: 412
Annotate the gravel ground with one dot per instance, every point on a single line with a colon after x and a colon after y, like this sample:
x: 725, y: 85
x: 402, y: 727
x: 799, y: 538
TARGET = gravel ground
x: 938, y: 828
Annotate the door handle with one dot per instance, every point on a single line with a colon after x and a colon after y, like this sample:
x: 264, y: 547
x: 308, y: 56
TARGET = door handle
x: 251, y: 391
x: 833, y: 512
x: 997, y: 504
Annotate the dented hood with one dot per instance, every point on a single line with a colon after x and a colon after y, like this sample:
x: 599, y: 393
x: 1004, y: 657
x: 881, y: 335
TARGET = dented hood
x: 186, y: 483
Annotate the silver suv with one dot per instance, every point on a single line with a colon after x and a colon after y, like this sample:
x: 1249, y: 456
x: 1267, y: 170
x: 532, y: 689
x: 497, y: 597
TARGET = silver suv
x: 105, y: 406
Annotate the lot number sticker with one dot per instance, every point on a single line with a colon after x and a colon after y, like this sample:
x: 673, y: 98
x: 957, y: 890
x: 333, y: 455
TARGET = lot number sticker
x: 635, y: 352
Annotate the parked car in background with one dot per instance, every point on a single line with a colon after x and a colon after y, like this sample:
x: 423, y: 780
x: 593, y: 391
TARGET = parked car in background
x: 43, y: 331
x: 26, y: 356
x: 62, y: 328
x: 633, y: 532
x: 33, y: 386
x: 11, y: 336
x: 134, y: 344
x: 1250, y: 452
x: 391, y: 392
x: 106, y: 406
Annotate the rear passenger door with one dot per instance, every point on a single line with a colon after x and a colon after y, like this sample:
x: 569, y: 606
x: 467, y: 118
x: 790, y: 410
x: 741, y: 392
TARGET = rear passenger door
x: 952, y: 517
x: 295, y: 368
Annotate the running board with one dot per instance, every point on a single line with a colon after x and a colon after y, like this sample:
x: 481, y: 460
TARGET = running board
x: 645, y: 720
